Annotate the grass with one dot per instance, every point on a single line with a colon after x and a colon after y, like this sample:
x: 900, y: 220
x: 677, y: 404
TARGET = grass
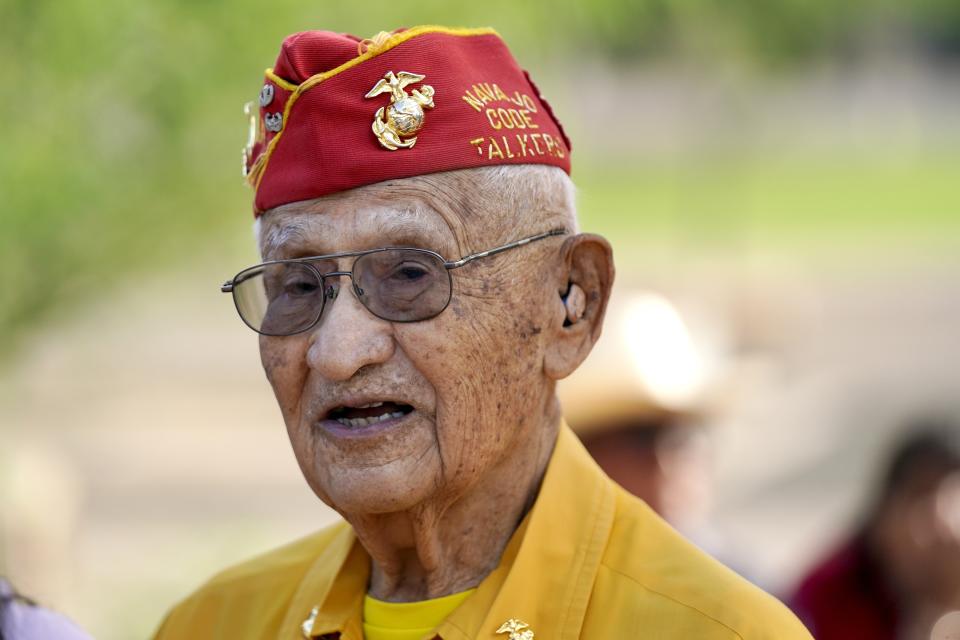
x: 804, y: 201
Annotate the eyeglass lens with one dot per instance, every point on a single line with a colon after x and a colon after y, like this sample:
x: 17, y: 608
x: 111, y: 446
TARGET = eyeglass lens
x: 399, y: 285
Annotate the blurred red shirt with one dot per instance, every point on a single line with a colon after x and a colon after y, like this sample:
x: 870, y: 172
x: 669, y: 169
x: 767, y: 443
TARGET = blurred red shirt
x: 846, y: 597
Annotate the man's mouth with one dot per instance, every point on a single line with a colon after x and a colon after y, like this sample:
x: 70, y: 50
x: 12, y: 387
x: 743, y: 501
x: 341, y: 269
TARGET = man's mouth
x: 368, y: 414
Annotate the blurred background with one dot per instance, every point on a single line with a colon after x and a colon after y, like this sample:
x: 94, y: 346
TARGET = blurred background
x: 780, y: 181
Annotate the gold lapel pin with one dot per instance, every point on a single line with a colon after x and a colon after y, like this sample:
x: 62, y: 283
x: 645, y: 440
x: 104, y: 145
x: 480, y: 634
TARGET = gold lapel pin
x: 518, y: 629
x: 307, y: 626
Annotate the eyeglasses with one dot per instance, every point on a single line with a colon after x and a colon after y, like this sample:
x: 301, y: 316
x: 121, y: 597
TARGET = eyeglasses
x: 399, y: 284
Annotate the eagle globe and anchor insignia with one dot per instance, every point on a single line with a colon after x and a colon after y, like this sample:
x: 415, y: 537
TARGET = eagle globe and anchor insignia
x: 403, y: 117
x: 518, y: 629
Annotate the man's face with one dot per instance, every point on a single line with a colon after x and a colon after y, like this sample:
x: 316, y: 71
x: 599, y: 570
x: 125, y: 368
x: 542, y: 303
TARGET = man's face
x: 459, y: 391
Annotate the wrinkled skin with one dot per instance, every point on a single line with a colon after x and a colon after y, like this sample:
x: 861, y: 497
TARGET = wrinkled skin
x: 435, y: 499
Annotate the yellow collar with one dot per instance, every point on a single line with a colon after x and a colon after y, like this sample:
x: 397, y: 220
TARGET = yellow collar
x: 544, y: 578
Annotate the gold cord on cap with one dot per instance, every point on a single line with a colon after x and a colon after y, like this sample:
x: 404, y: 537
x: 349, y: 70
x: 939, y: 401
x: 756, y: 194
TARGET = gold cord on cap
x: 374, y: 43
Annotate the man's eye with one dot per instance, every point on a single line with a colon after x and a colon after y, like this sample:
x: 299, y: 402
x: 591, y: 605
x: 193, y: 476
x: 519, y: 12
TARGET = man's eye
x: 409, y: 272
x: 301, y: 287
x: 405, y: 272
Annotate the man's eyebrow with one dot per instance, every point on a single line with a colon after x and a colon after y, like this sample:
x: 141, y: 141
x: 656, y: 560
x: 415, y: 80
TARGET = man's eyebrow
x: 284, y: 239
x: 293, y: 240
x: 407, y: 232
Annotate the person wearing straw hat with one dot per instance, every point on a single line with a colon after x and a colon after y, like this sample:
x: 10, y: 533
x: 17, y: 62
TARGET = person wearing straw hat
x: 423, y: 287
x: 642, y: 404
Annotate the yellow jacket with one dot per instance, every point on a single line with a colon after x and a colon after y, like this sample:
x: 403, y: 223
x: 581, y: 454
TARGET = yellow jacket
x: 589, y: 561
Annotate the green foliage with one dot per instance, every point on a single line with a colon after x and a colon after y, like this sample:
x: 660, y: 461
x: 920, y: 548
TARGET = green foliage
x: 122, y: 120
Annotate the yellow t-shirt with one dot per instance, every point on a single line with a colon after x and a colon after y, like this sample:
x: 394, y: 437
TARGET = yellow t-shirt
x: 589, y: 561
x: 407, y: 620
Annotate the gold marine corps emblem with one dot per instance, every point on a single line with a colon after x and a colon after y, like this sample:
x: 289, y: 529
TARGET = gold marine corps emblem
x: 403, y: 117
x: 518, y: 629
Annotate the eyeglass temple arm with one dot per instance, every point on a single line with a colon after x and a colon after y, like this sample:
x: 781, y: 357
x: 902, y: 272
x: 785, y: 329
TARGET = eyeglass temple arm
x: 227, y: 287
x: 491, y: 252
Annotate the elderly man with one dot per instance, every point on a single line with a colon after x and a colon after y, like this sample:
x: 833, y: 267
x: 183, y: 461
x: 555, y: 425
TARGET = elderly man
x: 423, y: 289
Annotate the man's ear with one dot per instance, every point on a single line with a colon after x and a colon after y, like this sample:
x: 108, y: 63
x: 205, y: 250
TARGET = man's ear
x: 586, y: 276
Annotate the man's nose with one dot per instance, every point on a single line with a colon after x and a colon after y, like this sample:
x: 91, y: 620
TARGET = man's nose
x: 348, y: 337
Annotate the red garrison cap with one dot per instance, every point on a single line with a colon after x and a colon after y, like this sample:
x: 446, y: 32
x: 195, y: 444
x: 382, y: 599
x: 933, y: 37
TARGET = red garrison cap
x: 338, y: 112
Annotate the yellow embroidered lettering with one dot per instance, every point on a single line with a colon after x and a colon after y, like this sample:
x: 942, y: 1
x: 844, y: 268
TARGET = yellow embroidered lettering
x: 492, y: 118
x: 472, y: 100
x: 477, y: 142
x: 484, y: 91
x: 522, y: 140
x: 548, y: 140
x: 536, y: 145
x: 506, y: 146
x: 493, y: 150
x: 518, y: 120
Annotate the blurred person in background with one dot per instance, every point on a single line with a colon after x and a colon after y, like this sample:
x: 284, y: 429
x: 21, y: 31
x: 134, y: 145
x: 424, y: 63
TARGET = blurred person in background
x: 470, y: 509
x: 22, y: 619
x: 639, y: 406
x: 898, y: 576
